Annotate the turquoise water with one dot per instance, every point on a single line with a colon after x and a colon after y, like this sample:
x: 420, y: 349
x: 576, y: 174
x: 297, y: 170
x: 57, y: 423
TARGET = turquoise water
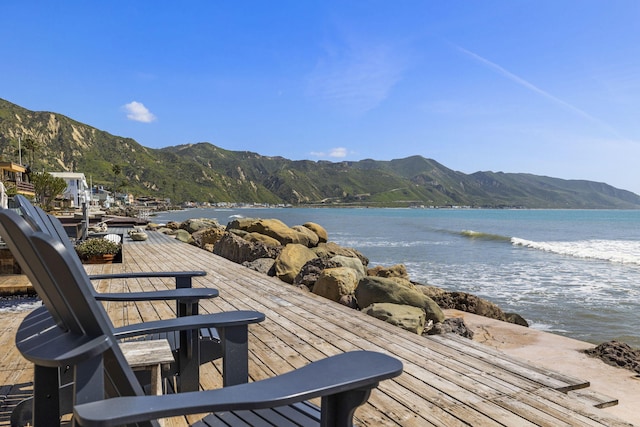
x: 571, y: 272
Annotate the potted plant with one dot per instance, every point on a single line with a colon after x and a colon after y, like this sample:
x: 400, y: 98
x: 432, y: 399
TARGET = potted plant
x: 98, y: 250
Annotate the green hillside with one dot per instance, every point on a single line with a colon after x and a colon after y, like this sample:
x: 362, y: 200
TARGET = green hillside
x: 203, y: 172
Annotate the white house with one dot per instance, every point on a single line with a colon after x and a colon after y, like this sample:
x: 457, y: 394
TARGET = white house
x: 77, y: 190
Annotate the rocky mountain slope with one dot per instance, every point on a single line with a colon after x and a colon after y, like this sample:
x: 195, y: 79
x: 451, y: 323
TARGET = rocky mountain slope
x: 206, y: 173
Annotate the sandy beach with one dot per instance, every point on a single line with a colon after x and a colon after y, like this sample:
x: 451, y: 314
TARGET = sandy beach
x: 561, y: 354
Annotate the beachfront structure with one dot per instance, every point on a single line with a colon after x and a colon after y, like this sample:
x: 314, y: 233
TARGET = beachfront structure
x: 77, y: 191
x: 16, y: 174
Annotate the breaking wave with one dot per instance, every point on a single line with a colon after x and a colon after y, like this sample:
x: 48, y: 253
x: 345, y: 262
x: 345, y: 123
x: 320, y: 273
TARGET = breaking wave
x: 617, y: 251
x: 484, y: 236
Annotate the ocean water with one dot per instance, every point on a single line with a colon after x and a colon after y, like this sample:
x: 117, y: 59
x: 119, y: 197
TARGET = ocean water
x: 570, y: 272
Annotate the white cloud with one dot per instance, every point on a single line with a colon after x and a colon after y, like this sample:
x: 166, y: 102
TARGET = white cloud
x: 136, y: 111
x: 338, y: 152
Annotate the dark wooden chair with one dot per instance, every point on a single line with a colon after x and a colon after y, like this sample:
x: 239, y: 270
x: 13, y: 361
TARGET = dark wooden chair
x: 78, y: 334
x: 191, y: 348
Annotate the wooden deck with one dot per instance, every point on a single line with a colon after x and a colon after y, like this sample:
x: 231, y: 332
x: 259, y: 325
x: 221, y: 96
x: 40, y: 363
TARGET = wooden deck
x: 447, y: 381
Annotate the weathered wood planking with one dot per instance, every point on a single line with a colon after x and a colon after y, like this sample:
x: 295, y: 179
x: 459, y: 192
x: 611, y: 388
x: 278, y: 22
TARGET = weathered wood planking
x: 445, y: 382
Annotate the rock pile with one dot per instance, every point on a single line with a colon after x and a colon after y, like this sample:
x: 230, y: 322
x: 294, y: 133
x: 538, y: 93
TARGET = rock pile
x: 617, y: 353
x: 303, y: 256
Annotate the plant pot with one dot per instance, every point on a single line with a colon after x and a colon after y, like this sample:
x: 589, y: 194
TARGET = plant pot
x: 101, y: 259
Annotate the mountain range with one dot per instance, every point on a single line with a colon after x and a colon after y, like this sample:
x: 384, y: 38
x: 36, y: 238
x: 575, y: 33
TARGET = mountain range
x: 203, y: 172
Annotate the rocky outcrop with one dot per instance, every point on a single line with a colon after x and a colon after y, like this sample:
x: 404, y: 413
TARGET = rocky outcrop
x: 310, y: 272
x: 452, y: 325
x: 471, y: 304
x: 372, y: 290
x: 290, y: 261
x: 313, y: 237
x: 302, y: 255
x: 183, y: 236
x: 398, y: 270
x: 617, y: 353
x: 273, y: 228
x: 407, y: 317
x: 239, y: 250
x: 335, y: 283
x: 261, y: 238
x: 262, y: 265
x: 193, y: 225
x: 331, y: 249
x: 207, y: 236
x: 323, y: 236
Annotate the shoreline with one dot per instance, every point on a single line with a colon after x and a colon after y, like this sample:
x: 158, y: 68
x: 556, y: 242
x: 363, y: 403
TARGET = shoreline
x: 561, y: 354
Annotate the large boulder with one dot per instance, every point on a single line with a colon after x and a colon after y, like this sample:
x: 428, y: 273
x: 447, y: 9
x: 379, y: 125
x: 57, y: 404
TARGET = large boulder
x: 350, y: 262
x: 195, y: 224
x: 183, y: 236
x: 262, y: 238
x: 470, y: 303
x: 207, y: 236
x: 239, y: 250
x: 273, y: 228
x: 313, y: 237
x: 432, y: 292
x: 173, y: 225
x: 407, y: 317
x: 334, y: 283
x: 617, y: 353
x: 372, y: 290
x: 240, y: 223
x: 262, y: 265
x: 291, y: 260
x: 310, y: 272
x: 320, y: 231
x: 331, y: 249
x: 398, y: 270
x: 452, y: 325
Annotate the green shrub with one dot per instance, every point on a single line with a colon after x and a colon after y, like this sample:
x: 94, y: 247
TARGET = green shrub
x: 96, y: 247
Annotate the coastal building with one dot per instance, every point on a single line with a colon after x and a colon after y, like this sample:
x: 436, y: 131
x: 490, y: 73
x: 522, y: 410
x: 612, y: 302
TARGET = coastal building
x: 102, y: 196
x: 14, y: 174
x: 77, y: 191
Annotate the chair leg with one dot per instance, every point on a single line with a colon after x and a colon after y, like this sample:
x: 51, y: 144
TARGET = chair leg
x: 22, y: 413
x: 337, y: 410
x: 46, y: 398
x: 189, y: 361
x: 235, y: 354
x: 89, y: 385
x: 189, y: 352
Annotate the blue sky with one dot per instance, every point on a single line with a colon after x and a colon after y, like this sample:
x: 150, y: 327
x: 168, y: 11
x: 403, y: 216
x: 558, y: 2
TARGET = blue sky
x: 549, y: 87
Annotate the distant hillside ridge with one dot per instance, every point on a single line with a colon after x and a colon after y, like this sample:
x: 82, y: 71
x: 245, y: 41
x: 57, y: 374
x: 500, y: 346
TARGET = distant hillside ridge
x: 203, y: 172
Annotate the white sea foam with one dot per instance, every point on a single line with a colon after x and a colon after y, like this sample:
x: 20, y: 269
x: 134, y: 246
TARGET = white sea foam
x: 618, y: 251
x: 19, y: 304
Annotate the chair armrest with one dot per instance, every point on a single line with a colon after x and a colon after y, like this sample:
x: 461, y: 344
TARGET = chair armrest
x: 144, y: 274
x: 55, y: 348
x: 339, y: 375
x: 182, y: 294
x: 216, y: 320
x: 183, y: 278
